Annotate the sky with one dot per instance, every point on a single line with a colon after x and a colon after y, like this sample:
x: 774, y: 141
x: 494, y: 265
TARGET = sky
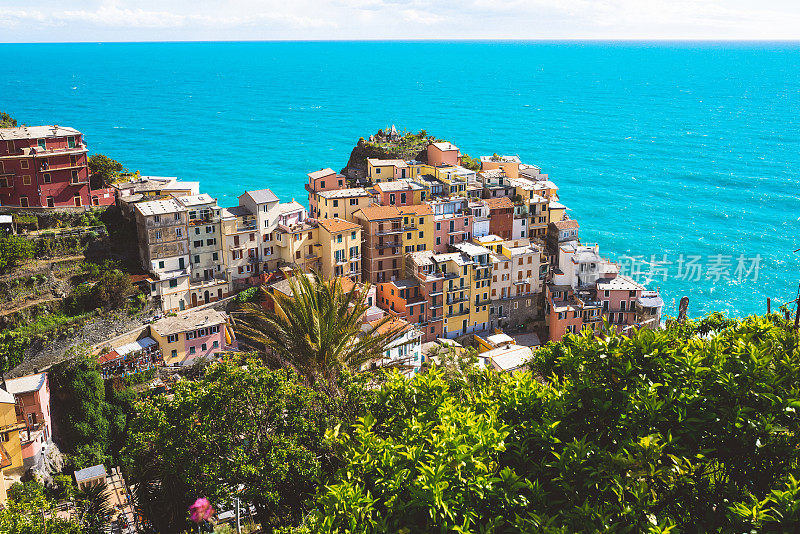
x: 231, y: 20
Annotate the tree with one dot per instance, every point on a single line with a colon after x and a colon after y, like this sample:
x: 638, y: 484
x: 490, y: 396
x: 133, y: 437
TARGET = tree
x: 242, y: 430
x: 318, y: 330
x: 103, y: 170
x: 6, y: 121
x: 28, y: 511
x: 13, y: 250
x: 470, y: 162
x: 94, y: 508
x: 95, y: 419
x: 658, y: 431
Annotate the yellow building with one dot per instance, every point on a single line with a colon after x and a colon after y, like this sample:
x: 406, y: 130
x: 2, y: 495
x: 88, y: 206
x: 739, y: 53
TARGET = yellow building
x: 386, y: 170
x: 341, y: 203
x: 299, y: 246
x: 467, y: 285
x: 10, y: 445
x: 556, y: 212
x: 340, y: 246
x: 417, y: 223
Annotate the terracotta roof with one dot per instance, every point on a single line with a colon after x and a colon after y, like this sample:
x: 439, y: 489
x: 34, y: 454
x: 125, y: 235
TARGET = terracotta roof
x: 419, y: 209
x: 375, y: 213
x: 566, y: 224
x: 108, y: 357
x: 497, y: 203
x: 394, y: 325
x: 321, y: 173
x: 336, y: 224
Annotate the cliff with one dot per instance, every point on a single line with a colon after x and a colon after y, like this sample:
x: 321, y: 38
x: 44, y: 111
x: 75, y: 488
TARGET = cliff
x: 390, y: 145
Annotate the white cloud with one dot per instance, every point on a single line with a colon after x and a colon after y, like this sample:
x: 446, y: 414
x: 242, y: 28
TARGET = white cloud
x: 401, y: 19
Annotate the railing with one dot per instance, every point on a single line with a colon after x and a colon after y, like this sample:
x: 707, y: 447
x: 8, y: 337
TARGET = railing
x: 245, y: 227
x: 204, y: 220
x: 393, y: 230
x: 390, y: 244
x: 457, y: 300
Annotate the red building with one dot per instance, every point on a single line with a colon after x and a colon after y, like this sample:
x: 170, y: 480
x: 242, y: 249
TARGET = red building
x: 46, y: 166
x: 501, y: 217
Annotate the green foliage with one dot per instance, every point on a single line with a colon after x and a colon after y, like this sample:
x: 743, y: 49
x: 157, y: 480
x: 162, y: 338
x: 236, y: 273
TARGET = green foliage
x: 7, y: 121
x: 13, y: 250
x: 103, y: 170
x: 96, y: 418
x: 673, y: 430
x: 238, y: 426
x: 29, y: 511
x: 468, y: 162
x: 317, y: 330
x: 247, y: 295
x: 107, y: 287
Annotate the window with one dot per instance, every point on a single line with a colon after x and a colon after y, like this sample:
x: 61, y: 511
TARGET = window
x: 172, y: 338
x: 177, y: 216
x: 161, y: 264
x: 211, y: 242
x: 204, y: 347
x: 197, y: 231
x: 210, y: 230
x: 352, y: 235
x: 173, y: 283
x: 378, y: 170
x: 46, y: 178
x: 335, y: 203
x: 42, y: 144
x: 198, y: 244
x: 605, y: 293
x: 174, y: 353
x: 197, y: 258
x: 50, y: 202
x: 156, y: 218
x: 322, y: 184
x: 215, y: 256
x: 339, y: 238
x: 192, y: 350
x: 391, y: 198
x: 75, y: 178
x: 215, y: 344
x: 157, y: 234
x: 71, y: 142
x: 23, y: 164
x: 26, y: 179
x: 354, y: 202
x: 178, y: 232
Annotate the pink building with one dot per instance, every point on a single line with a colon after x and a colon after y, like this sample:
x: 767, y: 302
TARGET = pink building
x: 451, y: 229
x: 443, y: 153
x: 32, y: 397
x: 322, y: 180
x: 619, y: 295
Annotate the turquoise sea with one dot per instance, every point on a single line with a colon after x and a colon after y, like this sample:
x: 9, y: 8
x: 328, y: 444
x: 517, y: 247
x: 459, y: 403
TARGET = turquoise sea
x: 689, y: 150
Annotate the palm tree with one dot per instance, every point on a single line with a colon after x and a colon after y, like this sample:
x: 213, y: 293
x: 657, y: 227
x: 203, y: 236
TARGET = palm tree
x: 317, y: 330
x: 94, y: 507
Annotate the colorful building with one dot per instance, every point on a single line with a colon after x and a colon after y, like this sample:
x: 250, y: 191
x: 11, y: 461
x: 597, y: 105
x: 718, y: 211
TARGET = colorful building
x: 195, y: 334
x: 386, y: 170
x: 382, y: 229
x: 32, y: 398
x: 501, y: 217
x: 340, y: 247
x: 339, y: 203
x: 404, y: 347
x: 46, y: 167
x: 443, y: 153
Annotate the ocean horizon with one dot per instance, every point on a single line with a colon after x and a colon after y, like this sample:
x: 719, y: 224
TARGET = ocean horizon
x: 681, y: 154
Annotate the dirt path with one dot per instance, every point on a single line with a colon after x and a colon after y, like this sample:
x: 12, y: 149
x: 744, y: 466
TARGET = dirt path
x: 35, y: 266
x: 12, y: 307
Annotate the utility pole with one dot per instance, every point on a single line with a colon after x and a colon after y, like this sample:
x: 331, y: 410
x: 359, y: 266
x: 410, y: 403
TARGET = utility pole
x: 682, y: 309
x: 238, y: 517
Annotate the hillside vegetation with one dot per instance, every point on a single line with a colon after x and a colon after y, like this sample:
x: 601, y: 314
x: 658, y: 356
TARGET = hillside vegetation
x: 690, y: 429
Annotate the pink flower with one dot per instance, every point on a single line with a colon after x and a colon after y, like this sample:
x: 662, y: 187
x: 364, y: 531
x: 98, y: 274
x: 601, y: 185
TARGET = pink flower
x: 201, y: 510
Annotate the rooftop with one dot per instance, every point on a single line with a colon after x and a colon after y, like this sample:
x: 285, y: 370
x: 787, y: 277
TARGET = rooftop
x: 471, y: 249
x: 377, y: 162
x: 236, y: 211
x: 90, y: 473
x: 187, y: 322
x: 261, y: 196
x: 395, y: 326
x: 196, y: 200
x: 159, y: 207
x: 25, y: 384
x: 502, y: 159
x: 287, y: 207
x: 444, y: 146
x: 567, y: 224
x: 336, y: 225
x: 620, y: 282
x: 509, y: 357
x: 343, y: 193
x: 322, y: 173
x: 376, y: 213
x: 36, y: 132
x: 399, y: 185
x: 498, y: 203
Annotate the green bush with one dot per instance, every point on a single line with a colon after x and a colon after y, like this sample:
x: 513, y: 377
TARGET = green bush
x: 14, y: 250
x: 247, y: 295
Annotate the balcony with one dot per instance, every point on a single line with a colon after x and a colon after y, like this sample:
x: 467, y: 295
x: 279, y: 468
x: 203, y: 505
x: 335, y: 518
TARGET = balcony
x: 246, y: 226
x: 457, y: 300
x: 204, y: 220
x: 388, y: 244
x: 391, y: 230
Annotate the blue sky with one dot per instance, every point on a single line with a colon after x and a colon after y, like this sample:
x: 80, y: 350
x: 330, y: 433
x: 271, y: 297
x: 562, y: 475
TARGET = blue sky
x: 165, y: 20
